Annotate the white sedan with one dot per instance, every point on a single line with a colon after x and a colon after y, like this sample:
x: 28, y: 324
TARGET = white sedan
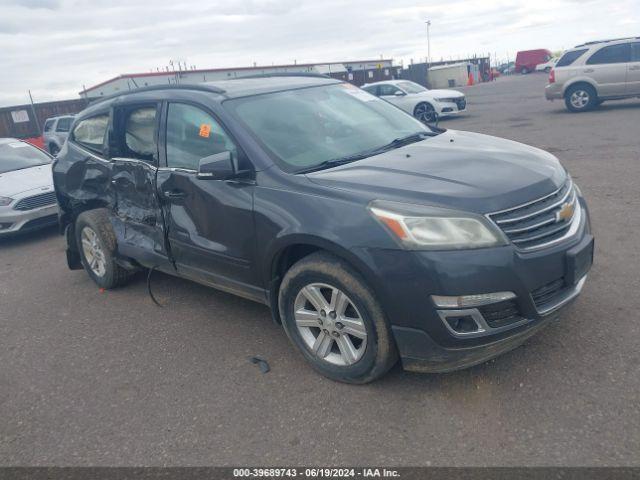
x: 426, y: 105
x: 547, y: 66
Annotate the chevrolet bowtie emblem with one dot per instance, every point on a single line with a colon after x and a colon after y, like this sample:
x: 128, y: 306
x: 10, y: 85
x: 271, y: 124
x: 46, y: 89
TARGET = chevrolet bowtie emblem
x: 565, y: 213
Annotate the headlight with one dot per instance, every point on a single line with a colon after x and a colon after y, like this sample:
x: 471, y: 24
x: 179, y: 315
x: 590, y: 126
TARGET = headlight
x: 430, y: 228
x: 4, y: 201
x: 448, y: 100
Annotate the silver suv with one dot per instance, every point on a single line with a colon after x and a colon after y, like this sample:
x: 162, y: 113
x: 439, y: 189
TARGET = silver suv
x: 55, y: 132
x: 589, y: 74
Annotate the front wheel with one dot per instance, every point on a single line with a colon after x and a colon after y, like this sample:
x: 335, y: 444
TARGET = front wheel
x: 581, y: 98
x: 425, y: 112
x: 333, y: 318
x: 524, y: 70
x: 53, y: 149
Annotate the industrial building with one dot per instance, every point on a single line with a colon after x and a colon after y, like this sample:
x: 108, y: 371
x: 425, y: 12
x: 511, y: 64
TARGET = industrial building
x: 357, y: 72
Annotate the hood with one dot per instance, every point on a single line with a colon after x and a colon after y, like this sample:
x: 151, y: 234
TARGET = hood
x: 442, y: 94
x: 18, y: 181
x: 460, y: 170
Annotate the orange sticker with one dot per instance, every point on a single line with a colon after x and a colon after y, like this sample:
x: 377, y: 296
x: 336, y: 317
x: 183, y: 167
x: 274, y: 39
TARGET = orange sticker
x: 205, y: 130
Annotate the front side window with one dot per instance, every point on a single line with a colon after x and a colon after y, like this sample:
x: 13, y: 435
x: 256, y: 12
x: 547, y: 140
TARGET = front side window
x: 570, y: 57
x: 48, y: 125
x: 90, y: 132
x: 193, y: 134
x: 612, y: 54
x: 411, y: 87
x: 388, y: 90
x: 303, y: 128
x: 64, y: 124
x: 20, y: 155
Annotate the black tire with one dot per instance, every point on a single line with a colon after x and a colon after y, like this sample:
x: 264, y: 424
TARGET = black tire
x: 53, y: 149
x: 524, y: 70
x: 580, y: 98
x: 425, y: 112
x: 547, y: 69
x: 98, y: 221
x: 379, y: 352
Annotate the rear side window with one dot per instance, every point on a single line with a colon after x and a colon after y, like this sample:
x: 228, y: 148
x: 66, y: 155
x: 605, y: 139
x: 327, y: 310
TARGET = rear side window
x: 48, y: 125
x: 193, y: 134
x: 64, y: 124
x: 140, y: 134
x: 90, y: 132
x: 612, y: 54
x: 635, y: 52
x: 570, y: 57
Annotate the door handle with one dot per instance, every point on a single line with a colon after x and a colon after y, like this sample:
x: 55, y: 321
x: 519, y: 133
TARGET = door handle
x: 588, y: 70
x: 634, y: 67
x: 174, y: 194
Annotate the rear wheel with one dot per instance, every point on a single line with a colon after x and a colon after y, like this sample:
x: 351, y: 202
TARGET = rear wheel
x: 524, y: 70
x: 580, y: 98
x: 97, y: 246
x: 333, y: 318
x: 425, y: 112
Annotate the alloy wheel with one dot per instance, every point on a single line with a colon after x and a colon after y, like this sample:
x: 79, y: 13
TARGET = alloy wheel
x: 579, y: 99
x: 93, y: 252
x: 330, y: 324
x: 425, y: 113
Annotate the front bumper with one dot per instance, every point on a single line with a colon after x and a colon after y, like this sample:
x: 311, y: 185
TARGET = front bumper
x: 22, y: 221
x: 421, y: 354
x: 407, y: 280
x: 446, y: 109
x: 553, y: 91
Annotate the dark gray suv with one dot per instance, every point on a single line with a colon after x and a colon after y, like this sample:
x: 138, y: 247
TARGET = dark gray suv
x: 370, y: 235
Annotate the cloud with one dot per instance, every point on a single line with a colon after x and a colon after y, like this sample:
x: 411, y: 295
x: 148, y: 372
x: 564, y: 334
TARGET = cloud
x: 54, y: 47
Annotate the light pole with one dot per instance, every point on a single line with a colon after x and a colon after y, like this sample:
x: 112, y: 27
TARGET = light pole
x: 428, y: 22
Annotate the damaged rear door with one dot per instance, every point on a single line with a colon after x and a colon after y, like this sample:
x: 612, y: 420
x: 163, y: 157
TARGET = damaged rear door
x: 133, y: 144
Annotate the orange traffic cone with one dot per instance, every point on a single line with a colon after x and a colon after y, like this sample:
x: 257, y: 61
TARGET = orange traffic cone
x: 470, y: 81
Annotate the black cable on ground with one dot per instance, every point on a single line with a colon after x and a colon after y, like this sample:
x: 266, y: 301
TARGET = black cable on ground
x: 149, y: 286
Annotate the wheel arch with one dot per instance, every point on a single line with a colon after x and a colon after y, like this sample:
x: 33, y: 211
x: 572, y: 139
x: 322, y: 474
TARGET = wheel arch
x: 577, y: 81
x: 291, y: 249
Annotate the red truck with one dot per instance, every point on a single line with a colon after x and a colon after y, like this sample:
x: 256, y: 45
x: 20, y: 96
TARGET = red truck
x: 527, y: 60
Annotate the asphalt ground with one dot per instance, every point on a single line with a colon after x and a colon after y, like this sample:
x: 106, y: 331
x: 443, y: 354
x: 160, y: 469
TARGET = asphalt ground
x: 109, y: 378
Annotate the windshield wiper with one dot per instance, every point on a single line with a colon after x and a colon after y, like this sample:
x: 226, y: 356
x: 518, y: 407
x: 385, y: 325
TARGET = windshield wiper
x: 395, y: 143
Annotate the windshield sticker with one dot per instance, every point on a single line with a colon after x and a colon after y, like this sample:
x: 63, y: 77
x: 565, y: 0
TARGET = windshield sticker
x: 205, y: 130
x: 18, y: 145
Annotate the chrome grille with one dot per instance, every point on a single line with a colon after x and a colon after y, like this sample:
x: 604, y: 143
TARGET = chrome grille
x: 36, y: 201
x: 542, y: 221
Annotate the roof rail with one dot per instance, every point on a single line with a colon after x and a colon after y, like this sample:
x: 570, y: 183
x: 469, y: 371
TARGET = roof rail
x: 181, y: 86
x: 283, y: 74
x: 594, y: 42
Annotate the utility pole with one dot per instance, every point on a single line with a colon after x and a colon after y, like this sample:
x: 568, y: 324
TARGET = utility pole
x: 35, y: 115
x: 428, y: 22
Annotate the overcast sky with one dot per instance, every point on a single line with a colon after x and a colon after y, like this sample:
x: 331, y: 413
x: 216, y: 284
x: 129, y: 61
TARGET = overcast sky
x: 53, y: 47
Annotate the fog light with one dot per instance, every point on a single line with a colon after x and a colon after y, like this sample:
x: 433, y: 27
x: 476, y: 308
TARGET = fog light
x: 470, y: 301
x: 462, y: 324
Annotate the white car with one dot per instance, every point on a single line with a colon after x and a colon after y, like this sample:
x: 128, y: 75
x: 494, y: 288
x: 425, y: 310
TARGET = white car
x: 547, y: 66
x: 27, y: 198
x: 424, y: 104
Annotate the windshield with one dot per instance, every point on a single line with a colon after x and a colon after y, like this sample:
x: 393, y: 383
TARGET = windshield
x: 411, y: 87
x: 20, y: 155
x: 308, y: 127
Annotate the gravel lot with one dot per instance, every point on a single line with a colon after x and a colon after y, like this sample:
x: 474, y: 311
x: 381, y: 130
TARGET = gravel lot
x: 91, y: 378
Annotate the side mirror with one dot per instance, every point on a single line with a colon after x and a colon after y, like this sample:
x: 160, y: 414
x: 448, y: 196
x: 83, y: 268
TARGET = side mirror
x: 399, y: 94
x: 216, y: 167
